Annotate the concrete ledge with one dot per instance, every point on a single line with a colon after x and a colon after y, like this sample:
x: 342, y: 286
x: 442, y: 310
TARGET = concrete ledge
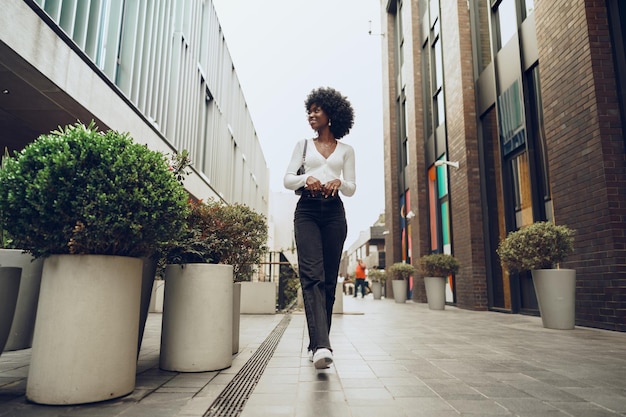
x: 258, y: 298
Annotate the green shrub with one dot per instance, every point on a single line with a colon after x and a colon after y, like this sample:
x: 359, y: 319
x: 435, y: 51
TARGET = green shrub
x: 80, y: 191
x: 377, y: 275
x: 438, y: 265
x: 541, y: 245
x: 401, y: 270
x: 231, y: 234
x: 5, y: 240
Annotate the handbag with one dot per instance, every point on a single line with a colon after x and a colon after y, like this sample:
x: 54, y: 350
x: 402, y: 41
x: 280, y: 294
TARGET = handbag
x: 300, y: 170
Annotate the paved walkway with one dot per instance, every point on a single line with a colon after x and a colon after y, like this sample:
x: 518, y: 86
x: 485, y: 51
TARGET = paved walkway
x: 390, y: 360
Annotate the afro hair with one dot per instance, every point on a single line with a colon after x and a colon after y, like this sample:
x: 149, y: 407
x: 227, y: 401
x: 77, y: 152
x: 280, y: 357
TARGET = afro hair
x: 337, y: 108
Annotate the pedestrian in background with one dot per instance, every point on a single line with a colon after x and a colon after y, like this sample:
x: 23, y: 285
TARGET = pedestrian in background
x: 320, y: 169
x: 360, y: 274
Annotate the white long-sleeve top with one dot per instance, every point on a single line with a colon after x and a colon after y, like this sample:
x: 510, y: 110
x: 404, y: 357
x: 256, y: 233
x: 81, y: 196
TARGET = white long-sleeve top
x: 339, y: 165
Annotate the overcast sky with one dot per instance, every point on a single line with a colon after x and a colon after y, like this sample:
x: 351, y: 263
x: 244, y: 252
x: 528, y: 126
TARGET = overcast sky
x: 282, y: 49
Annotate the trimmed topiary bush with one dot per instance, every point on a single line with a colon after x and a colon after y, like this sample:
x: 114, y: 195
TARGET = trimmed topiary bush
x: 377, y: 275
x: 81, y: 191
x: 438, y: 265
x: 401, y: 270
x: 217, y: 232
x: 541, y: 245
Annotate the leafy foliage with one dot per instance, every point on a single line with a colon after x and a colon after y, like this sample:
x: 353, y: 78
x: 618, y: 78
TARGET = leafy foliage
x: 81, y: 191
x: 179, y: 165
x: 540, y: 245
x: 5, y: 240
x: 230, y: 234
x: 377, y: 275
x: 438, y: 265
x: 401, y: 270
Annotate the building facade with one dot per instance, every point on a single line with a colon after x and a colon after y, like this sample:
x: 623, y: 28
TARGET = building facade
x: 498, y: 114
x: 157, y: 69
x: 370, y: 247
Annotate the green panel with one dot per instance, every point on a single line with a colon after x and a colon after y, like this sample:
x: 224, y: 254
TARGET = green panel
x: 442, y: 181
x: 445, y: 223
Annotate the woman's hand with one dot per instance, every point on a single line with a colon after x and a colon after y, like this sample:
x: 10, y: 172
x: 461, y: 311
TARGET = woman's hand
x: 331, y: 188
x: 314, y: 185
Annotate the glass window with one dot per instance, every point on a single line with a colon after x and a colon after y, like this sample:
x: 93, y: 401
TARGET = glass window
x: 530, y: 6
x: 400, y: 34
x: 438, y: 65
x: 442, y: 180
x: 432, y: 208
x: 441, y: 108
x: 482, y: 34
x: 427, y: 97
x: 522, y: 191
x: 434, y: 11
x: 507, y: 21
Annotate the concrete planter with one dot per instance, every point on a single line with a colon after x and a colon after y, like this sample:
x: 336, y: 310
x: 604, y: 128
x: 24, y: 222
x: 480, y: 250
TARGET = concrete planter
x: 556, y: 295
x: 377, y: 290
x: 9, y: 291
x: 435, y: 292
x: 197, y: 328
x: 399, y: 290
x: 258, y: 298
x: 338, y: 305
x: 148, y: 273
x: 85, y: 340
x: 156, y: 299
x: 21, y: 333
x: 236, y: 315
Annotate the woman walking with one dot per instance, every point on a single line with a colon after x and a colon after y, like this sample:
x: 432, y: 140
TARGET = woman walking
x: 320, y: 221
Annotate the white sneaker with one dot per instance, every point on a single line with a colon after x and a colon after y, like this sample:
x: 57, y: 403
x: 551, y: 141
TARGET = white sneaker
x: 310, y: 355
x: 322, y: 358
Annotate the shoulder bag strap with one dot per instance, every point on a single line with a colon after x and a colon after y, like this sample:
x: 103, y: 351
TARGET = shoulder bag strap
x: 304, y: 151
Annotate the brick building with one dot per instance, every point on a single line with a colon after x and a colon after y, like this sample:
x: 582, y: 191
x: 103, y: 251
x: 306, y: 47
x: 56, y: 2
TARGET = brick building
x: 528, y: 98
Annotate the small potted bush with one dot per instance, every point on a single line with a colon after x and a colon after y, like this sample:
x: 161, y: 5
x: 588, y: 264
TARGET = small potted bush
x: 378, y: 278
x: 539, y: 248
x: 19, y: 325
x: 541, y: 245
x: 222, y: 244
x: 92, y: 204
x: 400, y: 272
x: 436, y: 268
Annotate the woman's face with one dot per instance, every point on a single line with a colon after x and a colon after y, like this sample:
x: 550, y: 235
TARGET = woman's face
x: 317, y: 117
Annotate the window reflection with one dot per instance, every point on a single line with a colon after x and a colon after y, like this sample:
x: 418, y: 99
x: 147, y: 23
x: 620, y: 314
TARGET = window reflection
x: 507, y: 21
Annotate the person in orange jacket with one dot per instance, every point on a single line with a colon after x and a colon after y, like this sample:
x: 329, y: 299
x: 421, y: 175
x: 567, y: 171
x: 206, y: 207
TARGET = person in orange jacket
x: 360, y: 275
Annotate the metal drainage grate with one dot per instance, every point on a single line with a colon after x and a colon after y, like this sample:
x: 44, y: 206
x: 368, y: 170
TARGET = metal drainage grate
x: 232, y: 399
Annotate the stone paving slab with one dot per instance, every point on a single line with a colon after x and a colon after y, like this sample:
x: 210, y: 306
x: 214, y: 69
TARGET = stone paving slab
x: 390, y: 360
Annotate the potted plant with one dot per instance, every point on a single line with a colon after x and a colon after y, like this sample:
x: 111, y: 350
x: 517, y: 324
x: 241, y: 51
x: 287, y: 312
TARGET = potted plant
x: 378, y: 278
x: 92, y: 204
x: 9, y: 289
x: 151, y: 288
x: 400, y: 273
x: 539, y: 248
x: 22, y: 326
x: 222, y: 244
x: 436, y: 268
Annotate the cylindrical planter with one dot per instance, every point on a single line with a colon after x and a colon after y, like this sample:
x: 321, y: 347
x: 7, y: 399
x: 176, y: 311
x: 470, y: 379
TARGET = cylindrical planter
x: 338, y: 304
x: 85, y: 341
x: 236, y: 315
x: 148, y: 274
x: 556, y: 296
x: 377, y: 290
x: 156, y: 300
x: 435, y: 292
x: 21, y: 334
x: 9, y: 291
x: 399, y: 290
x: 197, y: 328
